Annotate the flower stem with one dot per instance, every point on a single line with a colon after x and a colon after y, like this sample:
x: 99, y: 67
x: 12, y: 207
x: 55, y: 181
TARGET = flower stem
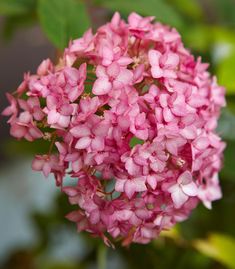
x: 101, y: 256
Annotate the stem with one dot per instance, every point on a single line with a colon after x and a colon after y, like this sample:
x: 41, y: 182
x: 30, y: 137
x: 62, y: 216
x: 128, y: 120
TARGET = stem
x: 101, y: 256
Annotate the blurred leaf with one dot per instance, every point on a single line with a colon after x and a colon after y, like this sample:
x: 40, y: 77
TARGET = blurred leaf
x: 219, y: 247
x: 225, y: 11
x: 13, y: 147
x: 225, y: 72
x: 228, y: 170
x: 14, y: 23
x: 198, y: 37
x: 15, y: 7
x: 173, y: 233
x: 226, y: 127
x: 158, y: 8
x: 222, y: 34
x: 63, y: 20
x: 191, y: 8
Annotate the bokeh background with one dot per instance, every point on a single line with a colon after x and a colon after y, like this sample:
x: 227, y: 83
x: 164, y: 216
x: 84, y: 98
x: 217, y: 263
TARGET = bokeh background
x: 33, y: 230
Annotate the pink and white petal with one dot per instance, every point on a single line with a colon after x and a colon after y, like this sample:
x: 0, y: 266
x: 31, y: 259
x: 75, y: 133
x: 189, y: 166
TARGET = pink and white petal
x: 97, y: 143
x: 64, y: 121
x: 157, y: 72
x: 185, y: 178
x: 190, y: 189
x: 134, y: 185
x: 18, y: 131
x: 102, y: 86
x: 167, y: 115
x: 46, y: 169
x: 83, y: 143
x: 201, y: 143
x: 123, y: 215
x: 189, y: 132
x: 172, y: 146
x: 113, y: 70
x: 119, y: 185
x: 132, y: 167
x: 172, y: 60
x: 154, y: 57
x: 125, y: 77
x: 101, y: 71
x: 53, y: 117
x: 80, y: 131
x: 152, y: 181
x: 101, y: 129
x: 142, y: 134
x: 179, y: 198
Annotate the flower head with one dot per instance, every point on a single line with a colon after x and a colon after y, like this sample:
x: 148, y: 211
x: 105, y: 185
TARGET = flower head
x: 132, y: 115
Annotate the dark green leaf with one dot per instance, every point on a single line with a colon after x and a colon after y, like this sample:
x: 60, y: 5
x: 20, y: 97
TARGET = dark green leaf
x: 158, y: 8
x: 63, y: 20
x: 16, y: 22
x: 226, y: 127
x: 16, y: 7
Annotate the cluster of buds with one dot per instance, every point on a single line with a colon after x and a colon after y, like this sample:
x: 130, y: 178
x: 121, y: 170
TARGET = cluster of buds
x: 131, y: 115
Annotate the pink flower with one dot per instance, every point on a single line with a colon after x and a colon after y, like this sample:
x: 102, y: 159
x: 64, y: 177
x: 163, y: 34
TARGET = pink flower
x: 12, y: 109
x: 112, y: 77
x: 163, y: 65
x: 183, y: 189
x: 91, y: 136
x: 131, y: 116
x: 131, y: 186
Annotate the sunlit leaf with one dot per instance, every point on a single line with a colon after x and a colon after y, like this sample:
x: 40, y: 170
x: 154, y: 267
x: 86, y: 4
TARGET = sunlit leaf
x: 63, y: 20
x: 225, y: 72
x: 219, y: 247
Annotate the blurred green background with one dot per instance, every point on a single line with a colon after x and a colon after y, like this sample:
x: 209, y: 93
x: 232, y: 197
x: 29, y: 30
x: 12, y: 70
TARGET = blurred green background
x: 33, y: 231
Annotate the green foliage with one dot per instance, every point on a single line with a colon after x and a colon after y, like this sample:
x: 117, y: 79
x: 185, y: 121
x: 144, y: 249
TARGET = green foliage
x: 225, y: 71
x: 16, y: 7
x: 63, y: 20
x: 135, y: 141
x: 219, y: 247
x: 163, y: 11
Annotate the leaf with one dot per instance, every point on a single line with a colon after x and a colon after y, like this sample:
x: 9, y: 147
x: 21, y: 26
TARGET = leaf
x: 226, y: 126
x: 63, y: 20
x: 13, y: 23
x: 158, y: 8
x: 16, y: 7
x: 191, y: 9
x: 225, y: 72
x: 228, y: 171
x: 135, y: 141
x: 219, y: 247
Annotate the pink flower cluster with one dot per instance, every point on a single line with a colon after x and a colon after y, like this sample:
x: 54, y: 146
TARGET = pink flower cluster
x: 132, y: 115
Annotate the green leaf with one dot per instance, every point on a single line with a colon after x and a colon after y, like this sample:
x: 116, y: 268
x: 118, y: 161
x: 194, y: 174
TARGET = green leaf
x: 63, y: 20
x: 228, y: 171
x: 16, y: 7
x: 135, y: 141
x: 158, y: 8
x: 12, y: 24
x: 226, y: 127
x: 219, y: 247
x: 225, y: 72
x: 191, y: 9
